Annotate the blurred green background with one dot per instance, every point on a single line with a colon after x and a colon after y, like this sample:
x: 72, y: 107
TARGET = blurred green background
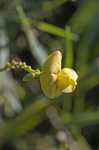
x: 30, y: 31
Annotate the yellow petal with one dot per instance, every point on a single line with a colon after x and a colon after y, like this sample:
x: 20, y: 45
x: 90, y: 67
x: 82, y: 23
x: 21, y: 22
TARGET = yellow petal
x: 48, y: 84
x: 71, y: 73
x: 66, y: 80
x: 53, y: 62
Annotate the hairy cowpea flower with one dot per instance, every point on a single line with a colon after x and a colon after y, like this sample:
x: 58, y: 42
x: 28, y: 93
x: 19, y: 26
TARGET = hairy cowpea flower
x: 54, y: 80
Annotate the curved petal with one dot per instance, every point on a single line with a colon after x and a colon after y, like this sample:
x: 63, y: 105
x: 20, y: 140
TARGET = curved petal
x: 48, y: 84
x: 71, y: 73
x: 53, y: 62
x: 66, y: 80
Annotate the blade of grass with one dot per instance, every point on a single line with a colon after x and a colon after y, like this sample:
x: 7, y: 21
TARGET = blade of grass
x: 31, y: 117
x: 35, y: 46
x: 52, y: 29
x: 68, y: 60
x: 67, y: 105
x: 86, y: 46
x: 84, y: 15
x: 53, y: 4
x: 90, y: 80
x: 27, y: 120
x: 81, y: 119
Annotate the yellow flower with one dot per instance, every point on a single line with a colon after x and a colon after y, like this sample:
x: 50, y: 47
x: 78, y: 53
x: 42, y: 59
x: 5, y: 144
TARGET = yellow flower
x: 54, y: 80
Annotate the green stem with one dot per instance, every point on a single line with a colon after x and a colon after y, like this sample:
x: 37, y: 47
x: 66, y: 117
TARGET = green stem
x: 22, y: 65
x: 81, y: 119
x: 3, y: 69
x: 68, y: 61
x: 67, y: 104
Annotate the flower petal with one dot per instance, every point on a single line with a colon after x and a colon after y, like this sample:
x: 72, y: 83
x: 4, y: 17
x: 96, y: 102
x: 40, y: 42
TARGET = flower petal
x: 48, y: 84
x: 53, y: 63
x: 66, y: 80
x: 71, y: 73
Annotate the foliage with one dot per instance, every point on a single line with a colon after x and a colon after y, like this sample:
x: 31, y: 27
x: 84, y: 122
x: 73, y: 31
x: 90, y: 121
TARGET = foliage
x: 29, y: 33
